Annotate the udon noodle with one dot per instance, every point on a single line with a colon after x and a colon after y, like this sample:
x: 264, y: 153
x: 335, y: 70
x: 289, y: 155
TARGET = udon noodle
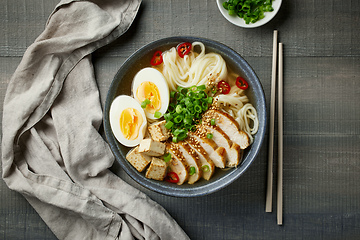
x: 198, y: 68
x: 238, y: 106
x: 194, y: 69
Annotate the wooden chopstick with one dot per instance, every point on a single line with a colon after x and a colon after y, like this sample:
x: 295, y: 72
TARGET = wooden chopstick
x: 280, y: 138
x: 268, y: 205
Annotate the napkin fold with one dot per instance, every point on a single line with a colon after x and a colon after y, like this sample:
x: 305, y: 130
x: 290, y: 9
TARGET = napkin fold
x: 52, y: 152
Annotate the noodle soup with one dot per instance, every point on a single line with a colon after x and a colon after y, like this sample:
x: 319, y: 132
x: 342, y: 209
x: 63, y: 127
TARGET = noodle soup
x: 205, y: 64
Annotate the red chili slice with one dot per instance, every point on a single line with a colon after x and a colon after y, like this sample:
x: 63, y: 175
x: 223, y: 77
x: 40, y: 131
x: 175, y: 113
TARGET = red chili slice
x: 172, y: 177
x: 156, y: 59
x: 183, y: 49
x: 223, y: 87
x: 241, y: 83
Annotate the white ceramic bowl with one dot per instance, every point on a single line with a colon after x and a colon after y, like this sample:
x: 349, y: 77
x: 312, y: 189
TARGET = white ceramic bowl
x: 241, y: 23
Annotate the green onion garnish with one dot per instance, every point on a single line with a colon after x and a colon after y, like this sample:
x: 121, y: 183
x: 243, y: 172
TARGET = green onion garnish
x: 209, y: 135
x: 187, y: 121
x: 178, y: 109
x: 178, y: 119
x: 167, y: 157
x: 145, y: 103
x: 185, y: 110
x: 250, y: 10
x: 192, y: 171
x: 157, y: 114
x: 198, y: 108
x: 169, y: 125
x: 205, y: 168
x: 172, y: 94
x: 212, y: 122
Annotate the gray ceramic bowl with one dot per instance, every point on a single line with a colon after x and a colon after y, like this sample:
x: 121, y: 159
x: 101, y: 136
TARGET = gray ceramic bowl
x: 122, y: 85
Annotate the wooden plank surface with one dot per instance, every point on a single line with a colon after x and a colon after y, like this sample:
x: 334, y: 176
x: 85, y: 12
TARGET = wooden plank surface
x: 321, y: 116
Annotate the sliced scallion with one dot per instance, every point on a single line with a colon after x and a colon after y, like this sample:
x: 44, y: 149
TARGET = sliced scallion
x: 192, y: 171
x: 205, y: 168
x: 167, y: 157
x: 250, y: 10
x: 145, y: 103
x: 157, y: 114
x: 169, y: 124
x: 185, y: 110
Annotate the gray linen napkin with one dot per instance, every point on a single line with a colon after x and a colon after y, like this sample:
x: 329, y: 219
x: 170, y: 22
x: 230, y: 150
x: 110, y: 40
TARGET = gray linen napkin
x: 52, y: 152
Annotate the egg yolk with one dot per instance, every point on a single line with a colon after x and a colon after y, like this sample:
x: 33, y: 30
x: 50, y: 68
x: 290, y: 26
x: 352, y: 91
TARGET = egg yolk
x: 148, y: 90
x: 130, y: 123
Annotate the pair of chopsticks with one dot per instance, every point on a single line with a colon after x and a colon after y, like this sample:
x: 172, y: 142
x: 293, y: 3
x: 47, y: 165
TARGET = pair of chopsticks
x: 277, y: 60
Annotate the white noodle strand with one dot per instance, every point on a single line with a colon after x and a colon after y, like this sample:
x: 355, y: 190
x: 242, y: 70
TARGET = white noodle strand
x: 197, y: 69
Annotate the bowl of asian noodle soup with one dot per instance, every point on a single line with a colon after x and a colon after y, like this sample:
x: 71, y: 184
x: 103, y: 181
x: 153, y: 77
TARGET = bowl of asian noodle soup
x: 227, y: 84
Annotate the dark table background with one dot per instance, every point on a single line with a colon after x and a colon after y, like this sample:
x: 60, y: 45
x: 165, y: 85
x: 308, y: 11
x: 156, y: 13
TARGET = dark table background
x: 321, y: 116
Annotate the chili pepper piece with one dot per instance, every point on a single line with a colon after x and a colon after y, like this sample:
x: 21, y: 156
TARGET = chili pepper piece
x: 223, y: 87
x: 184, y: 49
x: 241, y: 83
x: 156, y: 59
x: 172, y: 177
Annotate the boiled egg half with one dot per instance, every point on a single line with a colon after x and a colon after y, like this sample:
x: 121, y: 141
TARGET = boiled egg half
x: 127, y: 120
x: 150, y: 89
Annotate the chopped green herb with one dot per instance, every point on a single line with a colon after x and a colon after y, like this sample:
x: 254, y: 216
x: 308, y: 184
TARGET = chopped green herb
x: 185, y: 110
x: 175, y: 139
x: 250, y: 10
x: 167, y: 157
x: 145, y: 103
x: 169, y: 125
x: 157, y: 114
x: 205, y: 168
x: 192, y: 171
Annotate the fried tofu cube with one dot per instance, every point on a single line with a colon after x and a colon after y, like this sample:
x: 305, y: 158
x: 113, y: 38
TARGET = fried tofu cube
x: 156, y: 170
x: 151, y: 147
x: 138, y: 160
x: 158, y: 131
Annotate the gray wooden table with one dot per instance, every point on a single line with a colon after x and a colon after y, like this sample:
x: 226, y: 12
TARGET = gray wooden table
x: 321, y: 116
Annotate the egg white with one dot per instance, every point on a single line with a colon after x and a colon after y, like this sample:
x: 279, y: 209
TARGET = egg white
x: 152, y: 75
x: 117, y: 106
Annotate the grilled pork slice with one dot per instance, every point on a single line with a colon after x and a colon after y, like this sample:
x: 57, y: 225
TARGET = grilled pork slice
x: 177, y: 163
x: 228, y: 125
x: 222, y: 140
x: 192, y: 160
x: 207, y: 166
x: 216, y: 154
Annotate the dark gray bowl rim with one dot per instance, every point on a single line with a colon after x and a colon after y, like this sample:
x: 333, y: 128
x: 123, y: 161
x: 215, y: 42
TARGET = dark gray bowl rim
x: 206, y: 187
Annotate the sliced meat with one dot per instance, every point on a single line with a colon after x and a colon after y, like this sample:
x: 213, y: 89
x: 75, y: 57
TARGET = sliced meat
x: 192, y: 160
x: 177, y: 163
x: 207, y: 166
x: 222, y: 140
x: 215, y: 153
x: 228, y: 125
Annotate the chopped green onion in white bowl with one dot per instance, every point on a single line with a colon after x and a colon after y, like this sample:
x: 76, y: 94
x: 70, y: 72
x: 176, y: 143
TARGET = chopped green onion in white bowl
x: 238, y: 21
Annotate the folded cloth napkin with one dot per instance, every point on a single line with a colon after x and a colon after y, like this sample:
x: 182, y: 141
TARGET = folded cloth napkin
x: 52, y: 152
